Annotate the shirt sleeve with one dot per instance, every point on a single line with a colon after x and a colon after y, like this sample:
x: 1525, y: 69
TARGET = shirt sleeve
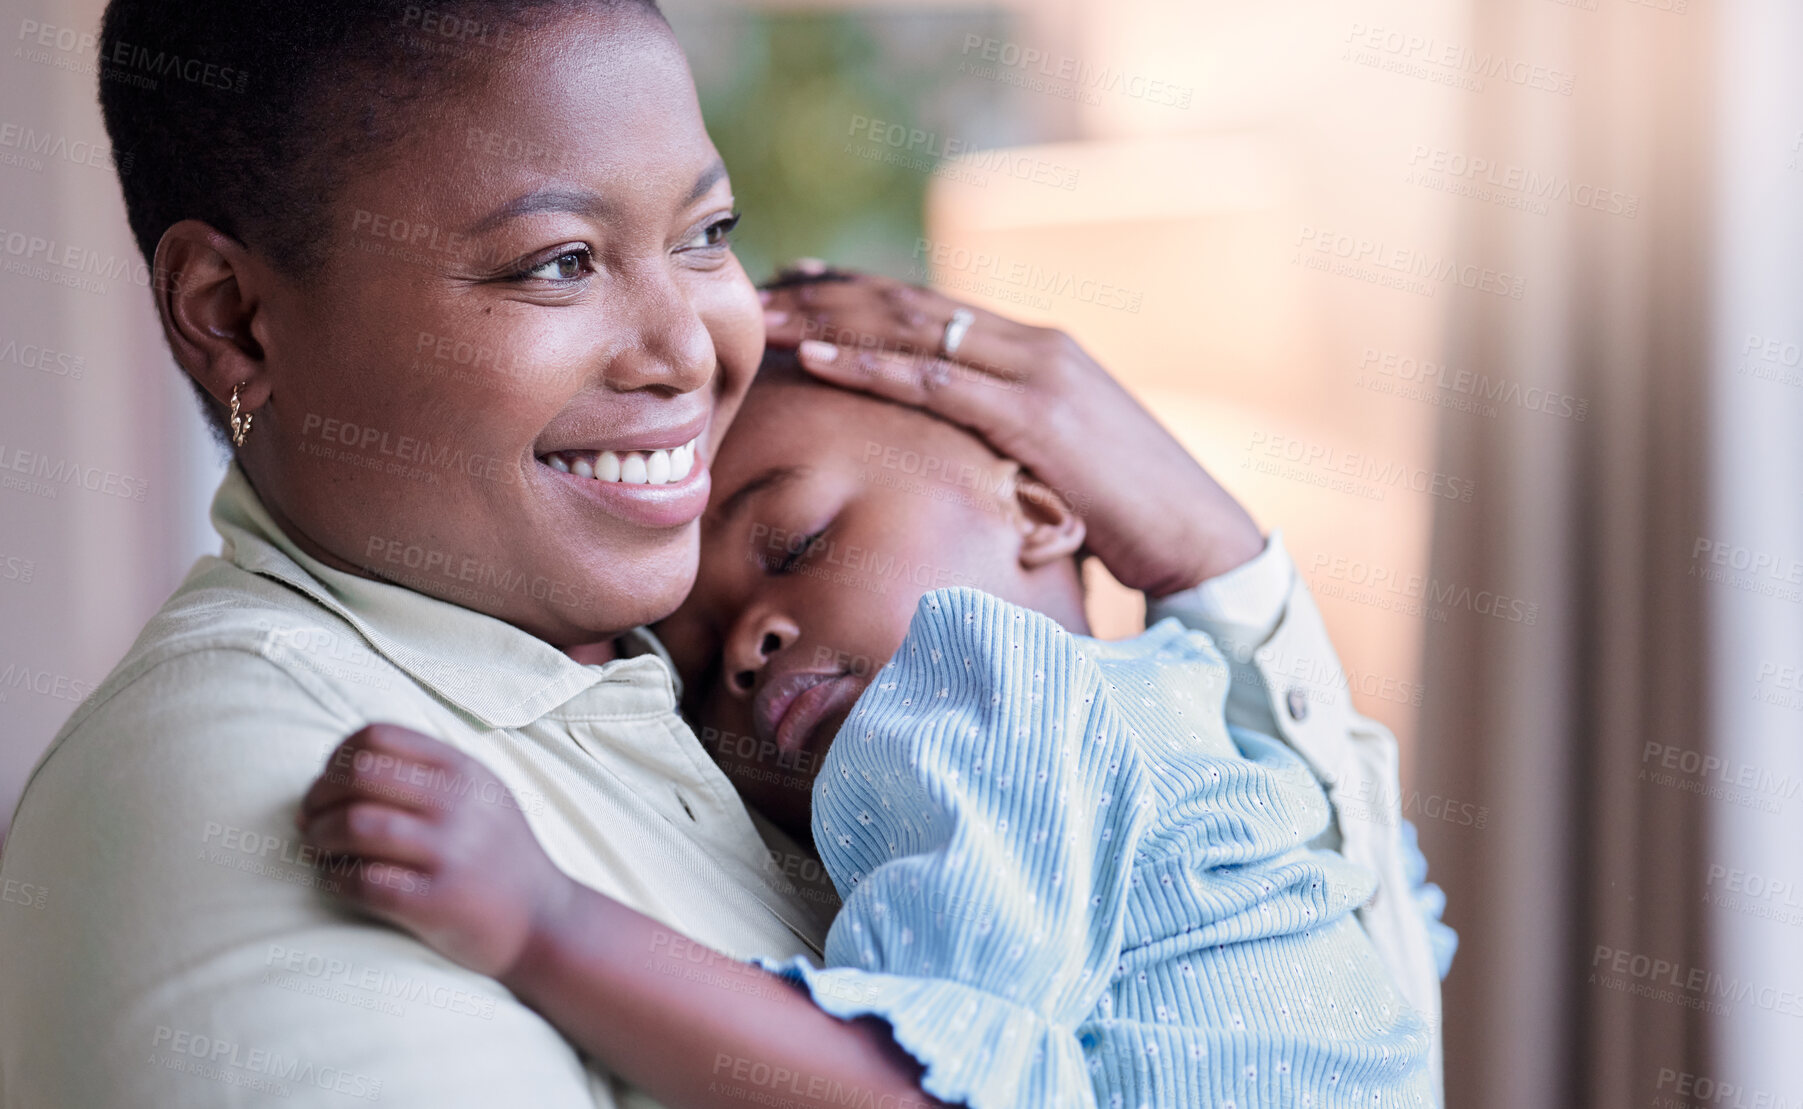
x: 186, y: 949
x: 1287, y: 681
x: 982, y: 830
x: 1430, y: 899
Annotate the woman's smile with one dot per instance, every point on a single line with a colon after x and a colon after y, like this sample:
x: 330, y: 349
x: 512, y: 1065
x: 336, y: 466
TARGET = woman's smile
x: 653, y: 477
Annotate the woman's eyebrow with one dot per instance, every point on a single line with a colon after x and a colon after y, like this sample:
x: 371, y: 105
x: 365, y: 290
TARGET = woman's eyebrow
x: 708, y: 179
x: 769, y: 479
x: 582, y: 202
x: 551, y: 198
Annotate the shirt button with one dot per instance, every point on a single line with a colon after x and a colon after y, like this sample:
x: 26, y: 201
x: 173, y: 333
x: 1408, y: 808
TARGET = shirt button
x: 1297, y: 701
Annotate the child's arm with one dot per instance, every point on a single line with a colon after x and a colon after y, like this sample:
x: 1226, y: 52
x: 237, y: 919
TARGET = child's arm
x: 692, y: 1027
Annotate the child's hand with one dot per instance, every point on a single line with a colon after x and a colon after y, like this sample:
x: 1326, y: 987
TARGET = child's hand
x: 1154, y: 516
x: 427, y: 838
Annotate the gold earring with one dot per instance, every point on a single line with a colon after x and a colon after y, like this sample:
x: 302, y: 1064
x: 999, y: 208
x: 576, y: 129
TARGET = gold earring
x: 240, y: 424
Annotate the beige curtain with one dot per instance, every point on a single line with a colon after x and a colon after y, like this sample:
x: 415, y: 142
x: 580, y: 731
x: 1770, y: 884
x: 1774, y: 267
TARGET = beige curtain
x: 1594, y: 519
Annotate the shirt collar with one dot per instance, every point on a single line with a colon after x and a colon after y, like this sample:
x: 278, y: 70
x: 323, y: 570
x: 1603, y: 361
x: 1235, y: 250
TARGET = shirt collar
x: 485, y: 667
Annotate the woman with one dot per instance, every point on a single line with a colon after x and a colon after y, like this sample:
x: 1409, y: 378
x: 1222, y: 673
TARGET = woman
x: 416, y: 262
x: 432, y: 269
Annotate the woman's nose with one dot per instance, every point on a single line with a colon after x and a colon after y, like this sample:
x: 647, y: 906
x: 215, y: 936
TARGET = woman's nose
x: 757, y: 638
x: 671, y: 350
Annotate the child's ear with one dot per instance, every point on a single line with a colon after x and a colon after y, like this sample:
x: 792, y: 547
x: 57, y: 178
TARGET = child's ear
x: 1049, y: 528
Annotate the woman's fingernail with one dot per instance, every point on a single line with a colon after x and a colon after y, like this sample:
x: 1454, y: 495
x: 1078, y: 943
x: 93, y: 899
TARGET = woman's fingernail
x: 765, y: 296
x: 816, y: 351
x: 775, y: 317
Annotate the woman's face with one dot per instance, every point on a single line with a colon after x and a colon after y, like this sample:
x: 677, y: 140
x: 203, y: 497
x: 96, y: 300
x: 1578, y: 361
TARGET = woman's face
x: 534, y: 274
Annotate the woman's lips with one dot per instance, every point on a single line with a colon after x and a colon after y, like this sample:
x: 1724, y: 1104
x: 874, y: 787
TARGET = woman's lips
x: 790, y: 708
x: 669, y: 504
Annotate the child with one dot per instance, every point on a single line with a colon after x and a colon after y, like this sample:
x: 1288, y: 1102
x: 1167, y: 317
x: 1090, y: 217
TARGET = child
x: 1066, y: 879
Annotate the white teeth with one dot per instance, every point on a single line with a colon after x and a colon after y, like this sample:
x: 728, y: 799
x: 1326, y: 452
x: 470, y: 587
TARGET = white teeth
x: 659, y: 467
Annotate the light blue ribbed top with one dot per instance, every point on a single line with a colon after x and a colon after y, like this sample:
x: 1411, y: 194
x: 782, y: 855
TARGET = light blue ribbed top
x: 1069, y: 882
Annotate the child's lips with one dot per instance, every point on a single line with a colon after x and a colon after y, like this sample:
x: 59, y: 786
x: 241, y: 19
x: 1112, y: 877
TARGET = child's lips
x: 790, y: 707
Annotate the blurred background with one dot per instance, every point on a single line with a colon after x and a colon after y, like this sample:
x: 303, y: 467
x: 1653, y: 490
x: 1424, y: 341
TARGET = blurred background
x: 1494, y: 309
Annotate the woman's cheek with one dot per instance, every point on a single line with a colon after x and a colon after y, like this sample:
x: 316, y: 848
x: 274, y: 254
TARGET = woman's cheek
x: 735, y: 320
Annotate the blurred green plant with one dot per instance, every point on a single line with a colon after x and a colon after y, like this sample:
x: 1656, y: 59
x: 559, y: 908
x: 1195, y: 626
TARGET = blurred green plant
x: 780, y: 92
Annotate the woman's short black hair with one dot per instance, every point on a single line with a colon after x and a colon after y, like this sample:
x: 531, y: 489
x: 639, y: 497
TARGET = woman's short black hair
x: 248, y: 114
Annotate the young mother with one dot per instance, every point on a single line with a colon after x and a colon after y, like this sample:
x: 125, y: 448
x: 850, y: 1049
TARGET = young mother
x: 432, y: 268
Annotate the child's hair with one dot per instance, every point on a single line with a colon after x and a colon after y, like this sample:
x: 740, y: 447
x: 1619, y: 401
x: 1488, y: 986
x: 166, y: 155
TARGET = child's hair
x: 247, y: 114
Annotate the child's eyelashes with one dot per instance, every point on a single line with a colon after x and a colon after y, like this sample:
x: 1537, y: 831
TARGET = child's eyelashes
x: 794, y: 554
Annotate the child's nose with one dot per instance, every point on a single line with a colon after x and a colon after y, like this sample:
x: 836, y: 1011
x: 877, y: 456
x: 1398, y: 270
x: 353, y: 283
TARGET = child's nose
x: 758, y: 639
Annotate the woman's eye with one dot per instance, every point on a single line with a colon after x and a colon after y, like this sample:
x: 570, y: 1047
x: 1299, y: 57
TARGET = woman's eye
x: 568, y: 266
x: 714, y: 234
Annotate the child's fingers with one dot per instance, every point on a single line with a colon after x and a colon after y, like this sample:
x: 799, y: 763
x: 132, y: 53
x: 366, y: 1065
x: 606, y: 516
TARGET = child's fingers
x: 390, y: 763
x: 377, y: 833
x: 389, y: 890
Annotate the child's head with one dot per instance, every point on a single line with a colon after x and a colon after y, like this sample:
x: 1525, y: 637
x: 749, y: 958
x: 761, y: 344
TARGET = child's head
x: 832, y: 513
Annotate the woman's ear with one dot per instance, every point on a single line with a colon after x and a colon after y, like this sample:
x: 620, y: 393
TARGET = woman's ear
x: 207, y: 294
x: 1049, y: 528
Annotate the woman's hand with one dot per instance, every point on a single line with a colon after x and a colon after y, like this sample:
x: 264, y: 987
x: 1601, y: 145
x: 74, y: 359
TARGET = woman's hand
x: 425, y: 837
x: 1155, y: 517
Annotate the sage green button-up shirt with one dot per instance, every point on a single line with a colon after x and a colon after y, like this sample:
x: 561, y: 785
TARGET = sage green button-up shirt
x: 175, y: 946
